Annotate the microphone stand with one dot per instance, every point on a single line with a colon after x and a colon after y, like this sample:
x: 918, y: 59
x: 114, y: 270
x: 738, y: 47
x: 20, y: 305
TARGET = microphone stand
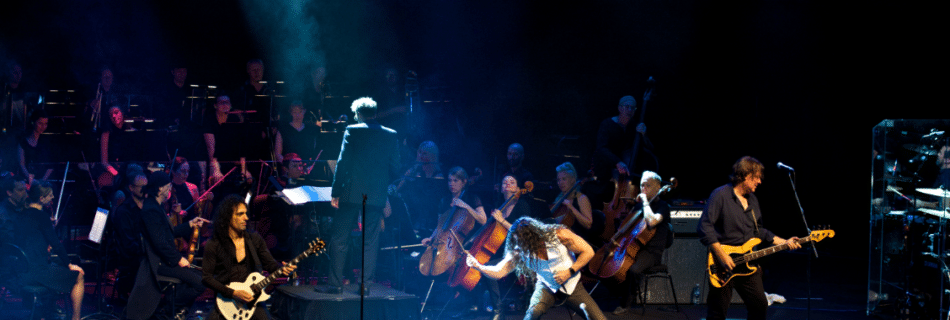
x: 363, y: 259
x: 807, y: 269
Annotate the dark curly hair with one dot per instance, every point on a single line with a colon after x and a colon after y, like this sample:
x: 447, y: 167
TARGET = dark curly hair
x: 527, y: 237
x: 222, y: 217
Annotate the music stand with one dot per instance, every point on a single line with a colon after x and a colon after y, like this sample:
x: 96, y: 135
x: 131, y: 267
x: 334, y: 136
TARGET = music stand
x: 95, y: 235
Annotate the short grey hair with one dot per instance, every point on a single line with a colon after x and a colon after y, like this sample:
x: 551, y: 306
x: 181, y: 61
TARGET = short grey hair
x: 365, y: 106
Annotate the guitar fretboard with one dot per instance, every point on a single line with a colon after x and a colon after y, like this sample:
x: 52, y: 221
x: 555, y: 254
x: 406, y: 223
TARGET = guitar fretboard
x: 264, y: 283
x: 767, y: 251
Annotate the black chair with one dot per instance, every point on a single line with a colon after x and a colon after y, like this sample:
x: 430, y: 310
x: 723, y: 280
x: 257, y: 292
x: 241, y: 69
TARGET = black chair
x: 13, y: 265
x: 659, y: 270
x: 169, y: 288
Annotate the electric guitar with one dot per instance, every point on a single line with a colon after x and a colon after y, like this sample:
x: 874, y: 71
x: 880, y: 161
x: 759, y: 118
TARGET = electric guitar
x: 741, y: 255
x: 233, y: 309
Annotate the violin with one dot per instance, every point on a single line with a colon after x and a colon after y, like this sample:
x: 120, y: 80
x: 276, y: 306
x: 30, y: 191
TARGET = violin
x: 620, y: 252
x: 485, y: 243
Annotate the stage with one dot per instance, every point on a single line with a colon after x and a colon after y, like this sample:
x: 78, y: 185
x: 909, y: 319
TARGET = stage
x: 383, y: 303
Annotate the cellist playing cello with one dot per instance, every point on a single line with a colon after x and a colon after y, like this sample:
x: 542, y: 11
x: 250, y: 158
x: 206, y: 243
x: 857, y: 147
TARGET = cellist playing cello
x: 657, y: 216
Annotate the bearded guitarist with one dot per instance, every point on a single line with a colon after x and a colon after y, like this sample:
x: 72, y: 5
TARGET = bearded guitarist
x: 731, y: 218
x: 233, y: 253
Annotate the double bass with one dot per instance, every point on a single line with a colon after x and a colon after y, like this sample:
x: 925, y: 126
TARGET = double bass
x: 622, y: 183
x: 442, y: 252
x: 620, y: 252
x: 484, y: 245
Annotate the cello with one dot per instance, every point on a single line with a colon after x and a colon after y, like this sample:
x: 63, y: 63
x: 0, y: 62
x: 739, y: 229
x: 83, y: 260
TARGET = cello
x: 484, y: 245
x: 620, y: 252
x: 442, y: 253
x: 558, y: 209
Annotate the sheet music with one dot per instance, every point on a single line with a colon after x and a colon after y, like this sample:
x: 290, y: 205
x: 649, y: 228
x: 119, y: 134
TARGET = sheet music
x: 98, y: 225
x: 305, y: 194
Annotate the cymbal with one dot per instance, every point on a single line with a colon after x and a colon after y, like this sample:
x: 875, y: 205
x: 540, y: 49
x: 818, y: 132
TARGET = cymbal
x: 935, y: 192
x: 935, y: 213
x: 921, y: 149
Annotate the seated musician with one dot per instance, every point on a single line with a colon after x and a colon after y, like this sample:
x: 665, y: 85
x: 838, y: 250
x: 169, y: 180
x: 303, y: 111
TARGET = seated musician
x: 657, y: 216
x: 34, y: 152
x: 233, y: 253
x: 114, y: 141
x: 296, y: 136
x: 224, y: 145
x: 161, y: 254
x: 125, y: 224
x: 544, y: 252
x: 576, y: 203
x: 458, y: 180
x: 34, y: 234
x: 185, y: 192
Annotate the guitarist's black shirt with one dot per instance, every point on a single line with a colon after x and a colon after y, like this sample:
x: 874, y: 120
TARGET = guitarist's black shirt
x: 220, y: 266
x: 725, y: 221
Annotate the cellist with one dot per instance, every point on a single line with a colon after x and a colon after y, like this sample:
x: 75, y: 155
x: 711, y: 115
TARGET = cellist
x: 574, y: 205
x: 458, y: 180
x: 657, y: 215
x: 508, y: 211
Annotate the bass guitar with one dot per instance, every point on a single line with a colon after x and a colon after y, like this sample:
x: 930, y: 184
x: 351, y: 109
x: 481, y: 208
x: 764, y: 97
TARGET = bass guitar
x: 255, y: 283
x: 741, y: 255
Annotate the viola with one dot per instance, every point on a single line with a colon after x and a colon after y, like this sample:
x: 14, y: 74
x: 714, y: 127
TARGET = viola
x: 485, y: 244
x: 620, y: 252
x: 442, y: 252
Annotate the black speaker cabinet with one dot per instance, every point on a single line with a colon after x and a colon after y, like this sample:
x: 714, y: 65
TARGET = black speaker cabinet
x: 686, y: 261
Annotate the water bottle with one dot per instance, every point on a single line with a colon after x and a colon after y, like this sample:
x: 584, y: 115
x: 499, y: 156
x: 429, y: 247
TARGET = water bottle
x: 695, y: 296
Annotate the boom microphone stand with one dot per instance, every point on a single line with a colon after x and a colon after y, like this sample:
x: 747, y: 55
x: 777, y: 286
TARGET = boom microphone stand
x: 791, y: 172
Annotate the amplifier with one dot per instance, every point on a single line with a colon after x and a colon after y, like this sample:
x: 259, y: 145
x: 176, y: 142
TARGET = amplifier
x: 685, y: 218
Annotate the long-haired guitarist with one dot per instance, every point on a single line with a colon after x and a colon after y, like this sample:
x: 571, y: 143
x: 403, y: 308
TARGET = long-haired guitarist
x: 732, y: 217
x: 546, y: 253
x: 233, y: 253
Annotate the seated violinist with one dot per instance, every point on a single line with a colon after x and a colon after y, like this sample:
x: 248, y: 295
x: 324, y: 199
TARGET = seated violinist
x: 657, y: 215
x: 574, y: 209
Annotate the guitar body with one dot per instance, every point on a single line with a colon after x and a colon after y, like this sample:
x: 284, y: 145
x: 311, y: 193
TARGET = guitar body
x: 718, y: 275
x: 232, y: 309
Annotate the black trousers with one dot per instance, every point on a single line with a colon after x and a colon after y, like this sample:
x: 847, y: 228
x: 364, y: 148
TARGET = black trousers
x: 750, y: 288
x: 543, y: 299
x: 344, y: 222
x: 626, y: 290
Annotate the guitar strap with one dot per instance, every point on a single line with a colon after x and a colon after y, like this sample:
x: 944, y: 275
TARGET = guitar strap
x: 755, y: 223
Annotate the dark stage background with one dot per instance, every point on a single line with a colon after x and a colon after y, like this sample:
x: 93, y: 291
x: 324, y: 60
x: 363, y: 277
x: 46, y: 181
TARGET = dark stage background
x: 801, y: 82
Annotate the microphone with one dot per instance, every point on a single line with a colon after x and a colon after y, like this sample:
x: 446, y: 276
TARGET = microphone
x: 783, y: 166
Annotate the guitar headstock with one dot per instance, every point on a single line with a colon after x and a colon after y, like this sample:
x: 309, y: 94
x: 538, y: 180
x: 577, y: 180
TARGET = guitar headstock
x: 316, y: 246
x: 824, y: 232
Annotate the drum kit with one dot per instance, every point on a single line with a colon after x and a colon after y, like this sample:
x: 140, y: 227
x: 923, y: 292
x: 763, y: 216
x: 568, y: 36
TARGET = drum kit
x: 915, y: 228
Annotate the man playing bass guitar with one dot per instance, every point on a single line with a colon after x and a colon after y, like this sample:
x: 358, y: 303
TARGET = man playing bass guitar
x: 731, y: 218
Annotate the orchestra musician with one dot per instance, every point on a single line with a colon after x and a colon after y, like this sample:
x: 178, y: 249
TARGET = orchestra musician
x: 516, y: 167
x: 576, y: 203
x: 543, y: 252
x: 233, y: 253
x: 125, y: 223
x: 732, y: 216
x: 657, y: 216
x: 369, y: 160
x: 114, y: 141
x: 161, y: 254
x: 34, y: 234
x: 35, y: 153
x: 224, y: 145
x: 185, y: 192
x: 296, y: 136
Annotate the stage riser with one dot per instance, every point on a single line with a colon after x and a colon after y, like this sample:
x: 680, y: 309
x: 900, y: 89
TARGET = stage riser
x: 302, y: 303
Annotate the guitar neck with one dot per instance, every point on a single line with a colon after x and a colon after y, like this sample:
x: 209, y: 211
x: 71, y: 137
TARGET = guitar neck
x: 770, y: 250
x: 264, y: 283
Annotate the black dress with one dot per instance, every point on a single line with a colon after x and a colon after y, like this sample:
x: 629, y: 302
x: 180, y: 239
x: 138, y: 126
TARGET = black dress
x: 34, y: 234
